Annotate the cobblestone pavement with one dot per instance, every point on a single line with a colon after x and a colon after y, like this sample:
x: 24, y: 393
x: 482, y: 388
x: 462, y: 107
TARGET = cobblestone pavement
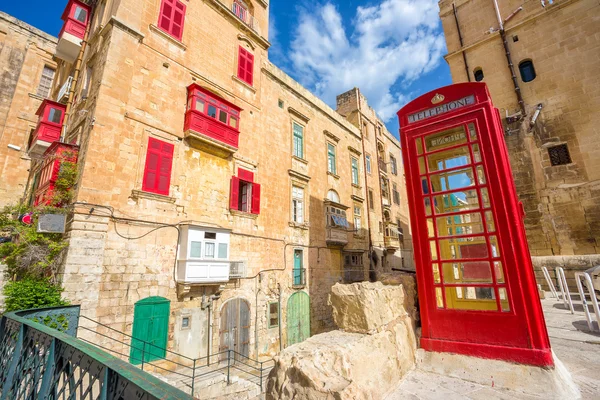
x: 571, y: 341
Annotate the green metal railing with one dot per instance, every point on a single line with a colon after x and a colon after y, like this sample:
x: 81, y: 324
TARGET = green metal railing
x: 41, y: 358
x: 188, y: 370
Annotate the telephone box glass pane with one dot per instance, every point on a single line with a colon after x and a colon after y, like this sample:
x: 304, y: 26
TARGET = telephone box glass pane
x: 439, y: 298
x: 472, y: 132
x: 453, y: 180
x: 467, y: 272
x: 456, y: 202
x: 433, y: 250
x: 489, y: 218
x: 464, y: 224
x: 499, y: 271
x: 464, y: 248
x: 436, y: 273
x: 504, y: 299
x: 471, y: 298
x: 447, y: 159
x: 445, y: 139
x: 422, y: 166
x: 428, y: 206
x: 419, y: 146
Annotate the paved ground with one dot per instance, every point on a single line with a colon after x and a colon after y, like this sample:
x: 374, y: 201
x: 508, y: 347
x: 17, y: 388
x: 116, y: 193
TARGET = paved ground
x: 571, y: 340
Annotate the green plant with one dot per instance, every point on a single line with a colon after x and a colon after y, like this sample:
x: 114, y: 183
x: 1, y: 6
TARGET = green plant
x: 66, y: 179
x: 32, y: 293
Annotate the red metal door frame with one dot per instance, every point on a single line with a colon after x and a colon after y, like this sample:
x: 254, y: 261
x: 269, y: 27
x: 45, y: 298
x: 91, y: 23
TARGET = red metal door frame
x: 520, y: 334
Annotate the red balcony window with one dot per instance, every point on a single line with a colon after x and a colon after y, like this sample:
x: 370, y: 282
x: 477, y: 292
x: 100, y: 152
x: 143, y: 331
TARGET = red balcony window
x: 76, y: 17
x: 50, y: 121
x: 212, y: 117
x: 54, y: 157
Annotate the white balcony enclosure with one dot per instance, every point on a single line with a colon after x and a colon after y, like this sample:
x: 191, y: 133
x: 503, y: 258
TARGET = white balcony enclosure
x: 204, y: 257
x: 63, y: 93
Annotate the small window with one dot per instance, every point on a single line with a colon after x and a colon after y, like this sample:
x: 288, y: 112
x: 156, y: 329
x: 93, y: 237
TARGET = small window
x: 371, y: 202
x: 185, y: 322
x: 355, y: 176
x: 209, y: 250
x: 333, y: 196
x: 212, y: 111
x: 368, y: 163
x: 45, y: 85
x: 55, y: 115
x: 527, y: 71
x: 331, y: 165
x: 223, y: 251
x: 297, y: 205
x: 394, y: 165
x: 357, y: 218
x: 298, y: 140
x: 478, y: 73
x: 559, y: 155
x: 222, y: 116
x: 171, y: 18
x: 245, y: 194
x: 195, y: 249
x: 280, y: 103
x: 210, y: 235
x: 273, y: 315
x: 157, y: 172
x: 80, y: 14
x: 396, y: 194
x: 246, y: 66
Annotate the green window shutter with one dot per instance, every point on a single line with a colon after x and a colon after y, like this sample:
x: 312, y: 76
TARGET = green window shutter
x: 298, y: 141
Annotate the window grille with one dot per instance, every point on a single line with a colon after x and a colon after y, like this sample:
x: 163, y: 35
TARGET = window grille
x: 559, y: 155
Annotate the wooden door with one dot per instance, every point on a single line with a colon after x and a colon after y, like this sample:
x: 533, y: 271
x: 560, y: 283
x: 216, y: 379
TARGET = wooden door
x: 298, y: 318
x: 235, y: 328
x: 150, y: 330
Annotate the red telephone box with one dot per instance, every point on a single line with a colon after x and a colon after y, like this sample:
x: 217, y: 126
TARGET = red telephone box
x: 476, y: 284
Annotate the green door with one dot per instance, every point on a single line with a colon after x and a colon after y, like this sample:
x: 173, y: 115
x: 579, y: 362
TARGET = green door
x: 298, y: 318
x: 150, y: 330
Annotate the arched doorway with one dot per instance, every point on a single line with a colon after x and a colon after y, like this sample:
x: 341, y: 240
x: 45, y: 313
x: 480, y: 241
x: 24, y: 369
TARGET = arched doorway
x: 150, y: 330
x: 298, y: 318
x: 234, y: 330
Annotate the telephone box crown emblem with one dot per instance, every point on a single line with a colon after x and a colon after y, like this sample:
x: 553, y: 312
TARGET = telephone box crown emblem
x: 438, y: 98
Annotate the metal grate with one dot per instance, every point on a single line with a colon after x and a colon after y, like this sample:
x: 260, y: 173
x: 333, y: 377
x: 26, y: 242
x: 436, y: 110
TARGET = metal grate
x: 559, y: 155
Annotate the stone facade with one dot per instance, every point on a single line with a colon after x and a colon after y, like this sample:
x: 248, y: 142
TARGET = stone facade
x: 562, y: 202
x: 125, y: 241
x: 24, y: 52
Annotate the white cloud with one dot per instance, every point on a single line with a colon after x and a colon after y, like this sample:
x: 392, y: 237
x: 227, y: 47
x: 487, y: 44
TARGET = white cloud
x: 391, y: 44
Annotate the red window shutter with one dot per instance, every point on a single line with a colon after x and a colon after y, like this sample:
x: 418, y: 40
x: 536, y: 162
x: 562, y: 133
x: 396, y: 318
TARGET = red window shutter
x: 171, y: 18
x: 235, y: 193
x: 245, y: 175
x: 157, y: 172
x: 255, y: 198
x: 246, y: 66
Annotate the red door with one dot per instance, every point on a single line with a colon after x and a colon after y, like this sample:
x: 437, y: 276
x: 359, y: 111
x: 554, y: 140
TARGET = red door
x: 476, y: 284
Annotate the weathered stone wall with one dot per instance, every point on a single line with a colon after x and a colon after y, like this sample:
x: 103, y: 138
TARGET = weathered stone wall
x: 354, y: 106
x: 24, y: 51
x: 562, y: 203
x: 139, y: 91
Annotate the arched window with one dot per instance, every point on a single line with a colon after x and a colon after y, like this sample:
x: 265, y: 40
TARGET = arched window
x: 478, y: 73
x: 333, y: 196
x: 527, y: 71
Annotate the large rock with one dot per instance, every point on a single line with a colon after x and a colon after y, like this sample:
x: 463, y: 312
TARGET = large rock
x: 342, y: 365
x: 366, y: 307
x: 409, y: 283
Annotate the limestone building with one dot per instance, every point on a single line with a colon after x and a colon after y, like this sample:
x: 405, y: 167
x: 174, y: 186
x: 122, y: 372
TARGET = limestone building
x: 549, y: 99
x: 217, y: 200
x: 27, y: 72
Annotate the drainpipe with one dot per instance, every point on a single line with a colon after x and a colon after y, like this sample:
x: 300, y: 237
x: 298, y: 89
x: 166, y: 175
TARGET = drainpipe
x: 257, y: 290
x: 460, y: 38
x: 511, y: 66
x: 76, y: 74
x: 367, y: 209
x: 279, y: 317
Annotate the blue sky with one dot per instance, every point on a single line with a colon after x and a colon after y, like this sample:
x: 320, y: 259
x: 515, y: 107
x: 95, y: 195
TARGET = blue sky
x: 391, y: 49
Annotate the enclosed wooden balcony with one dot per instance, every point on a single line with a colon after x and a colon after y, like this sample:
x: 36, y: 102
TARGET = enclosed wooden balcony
x: 76, y: 17
x: 54, y: 157
x: 211, y: 123
x: 50, y: 122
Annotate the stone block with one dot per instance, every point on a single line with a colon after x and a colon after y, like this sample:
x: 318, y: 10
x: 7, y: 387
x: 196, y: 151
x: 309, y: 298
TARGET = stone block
x: 366, y: 307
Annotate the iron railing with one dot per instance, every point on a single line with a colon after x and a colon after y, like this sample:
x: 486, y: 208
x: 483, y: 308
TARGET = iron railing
x: 299, y: 277
x: 40, y: 358
x: 189, y: 371
x: 237, y: 269
x: 244, y: 15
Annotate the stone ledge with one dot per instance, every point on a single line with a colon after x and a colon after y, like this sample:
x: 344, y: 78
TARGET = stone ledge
x: 138, y: 194
x: 168, y: 37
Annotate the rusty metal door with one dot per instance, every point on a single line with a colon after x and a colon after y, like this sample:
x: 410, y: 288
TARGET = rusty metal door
x: 235, y: 328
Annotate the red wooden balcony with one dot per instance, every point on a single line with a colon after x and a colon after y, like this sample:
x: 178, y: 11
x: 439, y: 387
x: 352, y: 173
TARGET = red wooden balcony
x: 76, y: 18
x: 51, y: 115
x: 56, y: 154
x: 211, y: 122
